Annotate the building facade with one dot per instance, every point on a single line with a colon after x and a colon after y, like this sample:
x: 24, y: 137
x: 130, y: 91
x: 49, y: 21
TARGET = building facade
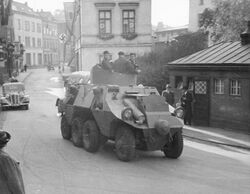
x: 120, y: 25
x: 219, y: 78
x: 50, y: 40
x: 28, y: 30
x: 196, y: 8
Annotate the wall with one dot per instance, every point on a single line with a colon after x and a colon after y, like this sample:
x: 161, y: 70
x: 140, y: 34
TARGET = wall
x: 194, y: 10
x: 22, y: 33
x: 89, y: 29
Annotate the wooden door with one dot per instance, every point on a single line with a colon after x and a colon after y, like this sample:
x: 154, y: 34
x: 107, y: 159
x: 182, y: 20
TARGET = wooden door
x: 201, y: 104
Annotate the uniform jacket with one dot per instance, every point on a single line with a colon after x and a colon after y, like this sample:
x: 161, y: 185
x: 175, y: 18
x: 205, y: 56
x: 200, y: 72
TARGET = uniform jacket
x: 11, y: 181
x: 169, y: 97
x: 121, y: 65
x: 106, y: 65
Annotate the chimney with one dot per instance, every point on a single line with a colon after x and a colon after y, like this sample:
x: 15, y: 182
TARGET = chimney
x: 245, y: 36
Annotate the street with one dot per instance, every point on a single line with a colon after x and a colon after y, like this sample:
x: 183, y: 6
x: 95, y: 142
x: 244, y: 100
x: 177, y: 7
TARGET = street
x: 52, y: 165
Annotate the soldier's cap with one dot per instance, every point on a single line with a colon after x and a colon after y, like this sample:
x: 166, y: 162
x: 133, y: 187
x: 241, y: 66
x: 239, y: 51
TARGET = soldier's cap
x: 121, y: 53
x: 105, y: 52
x: 4, y: 137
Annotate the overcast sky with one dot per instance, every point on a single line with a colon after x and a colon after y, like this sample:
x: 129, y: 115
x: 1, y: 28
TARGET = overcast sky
x: 171, y: 12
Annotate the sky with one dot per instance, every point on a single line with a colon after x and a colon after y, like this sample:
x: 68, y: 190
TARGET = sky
x: 171, y: 12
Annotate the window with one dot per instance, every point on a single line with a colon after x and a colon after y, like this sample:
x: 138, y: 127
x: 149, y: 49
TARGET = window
x: 105, y: 22
x: 201, y: 2
x: 39, y: 59
x: 235, y: 88
x: 39, y: 42
x: 219, y: 86
x: 34, y: 58
x: 27, y: 41
x: 128, y: 21
x: 19, y: 24
x: 34, y: 42
x: 27, y: 26
x: 39, y: 28
x: 33, y: 27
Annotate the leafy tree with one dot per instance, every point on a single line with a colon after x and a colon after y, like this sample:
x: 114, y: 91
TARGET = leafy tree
x: 152, y: 64
x: 227, y: 21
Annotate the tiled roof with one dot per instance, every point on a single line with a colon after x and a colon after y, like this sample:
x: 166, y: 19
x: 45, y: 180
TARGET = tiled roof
x: 221, y: 53
x: 23, y: 8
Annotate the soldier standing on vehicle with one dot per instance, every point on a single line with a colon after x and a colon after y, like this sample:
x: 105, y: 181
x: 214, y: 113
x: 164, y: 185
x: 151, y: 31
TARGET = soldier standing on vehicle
x: 11, y: 181
x: 106, y: 64
x: 121, y: 65
x: 134, y: 65
x: 169, y: 95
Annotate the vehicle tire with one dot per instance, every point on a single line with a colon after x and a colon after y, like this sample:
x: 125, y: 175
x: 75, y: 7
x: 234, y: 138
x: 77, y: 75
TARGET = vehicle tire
x: 174, y: 148
x: 65, y: 128
x: 76, y: 131
x: 125, y: 144
x: 91, y: 136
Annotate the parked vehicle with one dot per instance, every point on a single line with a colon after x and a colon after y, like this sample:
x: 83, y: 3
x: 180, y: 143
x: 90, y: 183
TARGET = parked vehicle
x: 113, y: 107
x: 14, y: 96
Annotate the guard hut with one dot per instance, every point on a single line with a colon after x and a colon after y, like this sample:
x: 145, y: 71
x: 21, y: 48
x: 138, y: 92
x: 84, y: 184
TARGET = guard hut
x: 219, y: 77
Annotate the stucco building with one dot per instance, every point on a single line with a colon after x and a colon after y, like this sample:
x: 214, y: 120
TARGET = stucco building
x: 28, y: 30
x: 113, y: 25
x: 196, y: 8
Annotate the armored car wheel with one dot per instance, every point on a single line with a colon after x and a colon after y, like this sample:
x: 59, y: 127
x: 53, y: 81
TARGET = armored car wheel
x: 91, y: 136
x: 77, y: 131
x: 125, y: 144
x: 174, y: 148
x: 65, y: 128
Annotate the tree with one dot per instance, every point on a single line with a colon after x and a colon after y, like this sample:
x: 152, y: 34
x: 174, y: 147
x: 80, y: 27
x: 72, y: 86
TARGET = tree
x: 152, y: 64
x: 227, y: 21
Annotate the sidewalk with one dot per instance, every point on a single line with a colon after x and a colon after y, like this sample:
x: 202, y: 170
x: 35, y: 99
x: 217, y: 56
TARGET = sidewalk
x: 218, y: 136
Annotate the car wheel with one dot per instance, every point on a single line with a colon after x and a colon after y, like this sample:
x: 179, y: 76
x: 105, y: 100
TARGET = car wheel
x: 77, y: 132
x: 174, y: 148
x: 91, y: 136
x: 65, y: 128
x: 125, y: 144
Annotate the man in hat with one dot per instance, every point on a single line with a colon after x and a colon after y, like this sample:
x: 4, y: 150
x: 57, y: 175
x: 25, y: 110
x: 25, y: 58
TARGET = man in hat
x: 186, y: 103
x: 11, y: 181
x: 106, y: 64
x: 121, y: 65
x: 134, y: 65
x: 169, y: 95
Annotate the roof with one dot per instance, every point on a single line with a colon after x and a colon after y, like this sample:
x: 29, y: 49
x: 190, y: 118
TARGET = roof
x: 221, y: 53
x: 23, y: 8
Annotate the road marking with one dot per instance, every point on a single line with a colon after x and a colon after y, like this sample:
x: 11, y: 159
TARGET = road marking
x: 245, y: 158
x: 217, y: 135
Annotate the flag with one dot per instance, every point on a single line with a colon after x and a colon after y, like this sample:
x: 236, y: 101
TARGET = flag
x: 5, y: 11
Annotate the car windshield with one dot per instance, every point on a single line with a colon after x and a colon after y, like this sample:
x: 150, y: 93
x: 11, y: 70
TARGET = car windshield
x: 9, y: 88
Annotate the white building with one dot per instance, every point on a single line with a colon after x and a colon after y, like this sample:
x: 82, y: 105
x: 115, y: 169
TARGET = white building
x: 113, y: 25
x: 196, y: 8
x: 28, y: 30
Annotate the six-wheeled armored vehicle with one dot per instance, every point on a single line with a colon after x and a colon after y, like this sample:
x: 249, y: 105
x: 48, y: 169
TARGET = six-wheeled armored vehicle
x: 14, y: 96
x: 112, y: 107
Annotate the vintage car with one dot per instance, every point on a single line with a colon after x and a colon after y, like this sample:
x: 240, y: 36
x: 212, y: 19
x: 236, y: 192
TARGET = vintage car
x: 14, y: 96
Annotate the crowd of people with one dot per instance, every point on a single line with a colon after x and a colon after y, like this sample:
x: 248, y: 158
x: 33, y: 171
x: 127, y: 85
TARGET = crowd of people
x: 121, y: 65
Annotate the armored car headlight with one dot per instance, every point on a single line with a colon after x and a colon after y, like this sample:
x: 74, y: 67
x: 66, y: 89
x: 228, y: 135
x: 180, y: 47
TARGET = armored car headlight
x: 127, y: 114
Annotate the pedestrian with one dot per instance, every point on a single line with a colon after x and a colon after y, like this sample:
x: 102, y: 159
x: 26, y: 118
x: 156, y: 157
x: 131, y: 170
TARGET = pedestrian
x: 121, y: 65
x: 186, y: 103
x: 169, y: 95
x: 134, y: 65
x: 106, y: 64
x: 11, y: 181
x: 25, y: 67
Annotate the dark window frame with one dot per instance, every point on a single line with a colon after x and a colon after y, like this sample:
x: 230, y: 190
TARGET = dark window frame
x: 238, y: 88
x: 222, y: 82
x: 126, y: 30
x: 103, y: 20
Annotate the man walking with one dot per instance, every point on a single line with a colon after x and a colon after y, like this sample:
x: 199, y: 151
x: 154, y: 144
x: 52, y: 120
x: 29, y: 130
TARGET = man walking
x: 11, y: 181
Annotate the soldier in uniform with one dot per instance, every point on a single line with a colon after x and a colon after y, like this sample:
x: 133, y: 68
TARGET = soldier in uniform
x: 186, y: 103
x: 169, y: 95
x: 132, y: 60
x: 121, y: 65
x: 106, y: 64
x: 11, y: 181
